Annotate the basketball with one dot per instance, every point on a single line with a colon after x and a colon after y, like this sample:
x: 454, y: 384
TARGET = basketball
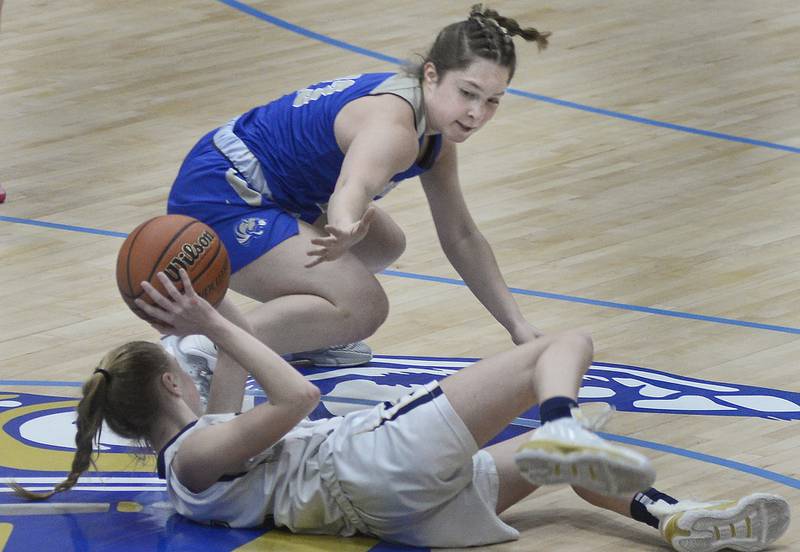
x: 168, y: 243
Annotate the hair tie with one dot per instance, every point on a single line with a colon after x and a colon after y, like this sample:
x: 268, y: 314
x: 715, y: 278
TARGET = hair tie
x: 106, y: 374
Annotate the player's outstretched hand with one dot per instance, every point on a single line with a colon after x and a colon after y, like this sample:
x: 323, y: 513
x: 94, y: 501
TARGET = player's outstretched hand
x: 180, y: 313
x: 339, y: 240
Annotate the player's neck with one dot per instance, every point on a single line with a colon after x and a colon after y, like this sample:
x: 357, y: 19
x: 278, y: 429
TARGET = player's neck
x: 175, y: 416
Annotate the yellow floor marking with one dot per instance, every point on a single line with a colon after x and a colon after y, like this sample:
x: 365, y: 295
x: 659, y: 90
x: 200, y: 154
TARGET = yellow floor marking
x: 283, y: 541
x: 18, y: 455
x: 128, y: 506
x: 5, y: 533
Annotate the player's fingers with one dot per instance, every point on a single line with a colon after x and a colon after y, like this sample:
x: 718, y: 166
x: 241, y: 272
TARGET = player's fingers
x: 315, y: 262
x: 327, y: 240
x: 169, y: 286
x: 151, y: 310
x: 156, y: 296
x: 321, y: 252
x: 335, y: 233
x: 188, y: 289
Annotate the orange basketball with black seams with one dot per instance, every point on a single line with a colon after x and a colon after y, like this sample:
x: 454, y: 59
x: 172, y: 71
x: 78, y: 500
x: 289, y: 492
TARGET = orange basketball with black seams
x: 168, y: 243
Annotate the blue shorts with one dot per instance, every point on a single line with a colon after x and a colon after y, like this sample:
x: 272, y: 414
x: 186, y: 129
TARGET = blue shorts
x: 211, y: 190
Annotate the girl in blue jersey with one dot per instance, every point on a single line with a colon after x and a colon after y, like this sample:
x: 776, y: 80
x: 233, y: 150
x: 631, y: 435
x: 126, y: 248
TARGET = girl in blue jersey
x: 412, y: 472
x: 291, y: 187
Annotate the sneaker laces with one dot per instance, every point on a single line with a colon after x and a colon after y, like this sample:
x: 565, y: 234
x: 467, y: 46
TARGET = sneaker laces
x: 596, y: 421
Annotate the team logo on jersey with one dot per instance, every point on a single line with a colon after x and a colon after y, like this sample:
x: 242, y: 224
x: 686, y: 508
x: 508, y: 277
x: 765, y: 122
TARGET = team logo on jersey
x: 307, y: 95
x: 249, y: 228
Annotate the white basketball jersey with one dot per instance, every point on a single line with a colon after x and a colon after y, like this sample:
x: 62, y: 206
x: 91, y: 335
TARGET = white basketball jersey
x: 284, y: 482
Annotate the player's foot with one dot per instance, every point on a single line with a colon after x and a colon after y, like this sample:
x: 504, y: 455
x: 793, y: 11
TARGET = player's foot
x: 565, y: 452
x: 749, y: 525
x: 197, y: 356
x: 342, y: 356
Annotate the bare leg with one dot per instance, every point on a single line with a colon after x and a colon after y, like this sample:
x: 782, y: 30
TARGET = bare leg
x: 618, y: 504
x: 383, y: 244
x: 489, y: 394
x: 303, y: 308
x: 514, y: 487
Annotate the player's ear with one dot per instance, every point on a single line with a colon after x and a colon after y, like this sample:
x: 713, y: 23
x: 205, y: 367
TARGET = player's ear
x: 171, y: 383
x: 429, y: 73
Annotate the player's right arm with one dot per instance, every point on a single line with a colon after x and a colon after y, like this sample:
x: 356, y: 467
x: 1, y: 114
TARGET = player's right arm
x: 378, y: 138
x: 214, y: 451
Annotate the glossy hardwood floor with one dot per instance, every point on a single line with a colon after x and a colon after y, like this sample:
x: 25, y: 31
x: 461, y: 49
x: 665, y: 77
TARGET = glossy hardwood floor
x: 649, y: 158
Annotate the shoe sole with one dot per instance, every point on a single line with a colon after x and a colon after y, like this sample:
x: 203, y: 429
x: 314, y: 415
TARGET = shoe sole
x: 303, y: 361
x: 750, y: 525
x: 604, y: 470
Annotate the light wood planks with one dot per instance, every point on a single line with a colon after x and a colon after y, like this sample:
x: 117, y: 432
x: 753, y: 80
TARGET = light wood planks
x: 100, y: 101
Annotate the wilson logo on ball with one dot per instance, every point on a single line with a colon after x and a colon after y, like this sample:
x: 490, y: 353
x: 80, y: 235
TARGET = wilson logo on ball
x: 188, y: 255
x: 168, y: 243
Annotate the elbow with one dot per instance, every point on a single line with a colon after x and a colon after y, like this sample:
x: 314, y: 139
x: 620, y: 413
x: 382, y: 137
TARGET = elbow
x: 309, y: 397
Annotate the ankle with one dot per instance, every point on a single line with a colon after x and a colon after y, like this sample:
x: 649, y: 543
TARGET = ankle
x: 640, y: 506
x: 556, y: 408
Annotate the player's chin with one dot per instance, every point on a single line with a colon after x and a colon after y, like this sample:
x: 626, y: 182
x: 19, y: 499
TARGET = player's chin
x: 458, y: 137
x: 459, y: 134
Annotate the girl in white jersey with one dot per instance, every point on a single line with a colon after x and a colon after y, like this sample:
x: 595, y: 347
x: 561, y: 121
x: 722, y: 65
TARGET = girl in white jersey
x: 411, y: 472
x: 294, y: 200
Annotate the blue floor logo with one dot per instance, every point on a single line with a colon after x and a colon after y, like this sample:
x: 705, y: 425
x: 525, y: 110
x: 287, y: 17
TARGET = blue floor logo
x: 124, y: 497
x: 626, y: 388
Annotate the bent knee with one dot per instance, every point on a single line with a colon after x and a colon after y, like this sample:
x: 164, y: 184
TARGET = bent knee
x: 579, y: 340
x: 397, y: 246
x: 366, y: 310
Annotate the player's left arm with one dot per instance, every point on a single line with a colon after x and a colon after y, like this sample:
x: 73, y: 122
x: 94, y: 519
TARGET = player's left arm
x: 467, y: 249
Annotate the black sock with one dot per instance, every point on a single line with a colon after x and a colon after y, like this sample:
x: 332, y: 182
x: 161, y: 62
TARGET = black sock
x: 640, y: 502
x: 555, y: 408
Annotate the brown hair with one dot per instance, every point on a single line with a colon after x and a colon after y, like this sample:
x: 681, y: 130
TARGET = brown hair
x: 484, y: 34
x: 123, y: 392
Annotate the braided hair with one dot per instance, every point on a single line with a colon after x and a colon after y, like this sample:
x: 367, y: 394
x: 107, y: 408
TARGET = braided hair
x: 484, y: 34
x: 122, y: 391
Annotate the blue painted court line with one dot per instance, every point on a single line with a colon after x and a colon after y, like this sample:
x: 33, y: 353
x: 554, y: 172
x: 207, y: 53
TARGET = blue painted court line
x: 707, y: 458
x: 282, y: 23
x: 456, y: 282
x: 530, y: 423
x: 725, y: 463
x: 63, y: 227
x: 608, y: 304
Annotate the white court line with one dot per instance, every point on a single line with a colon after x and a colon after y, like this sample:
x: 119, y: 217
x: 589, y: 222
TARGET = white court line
x: 50, y: 508
x: 97, y: 479
x: 104, y: 489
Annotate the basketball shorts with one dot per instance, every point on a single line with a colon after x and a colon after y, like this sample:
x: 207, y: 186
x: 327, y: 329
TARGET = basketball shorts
x: 411, y: 472
x: 210, y: 189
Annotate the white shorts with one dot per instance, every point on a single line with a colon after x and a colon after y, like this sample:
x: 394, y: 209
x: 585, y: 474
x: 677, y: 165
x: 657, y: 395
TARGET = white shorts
x: 412, y: 473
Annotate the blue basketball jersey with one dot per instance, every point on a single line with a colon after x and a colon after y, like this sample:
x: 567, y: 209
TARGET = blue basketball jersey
x: 254, y: 177
x: 294, y: 142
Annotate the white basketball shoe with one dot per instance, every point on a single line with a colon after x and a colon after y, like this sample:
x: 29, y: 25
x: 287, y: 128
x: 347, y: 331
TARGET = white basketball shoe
x: 564, y: 451
x: 197, y: 356
x: 748, y: 525
x: 342, y: 356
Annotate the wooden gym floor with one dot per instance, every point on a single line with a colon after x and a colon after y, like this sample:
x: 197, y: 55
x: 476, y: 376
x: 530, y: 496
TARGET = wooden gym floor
x: 640, y: 181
